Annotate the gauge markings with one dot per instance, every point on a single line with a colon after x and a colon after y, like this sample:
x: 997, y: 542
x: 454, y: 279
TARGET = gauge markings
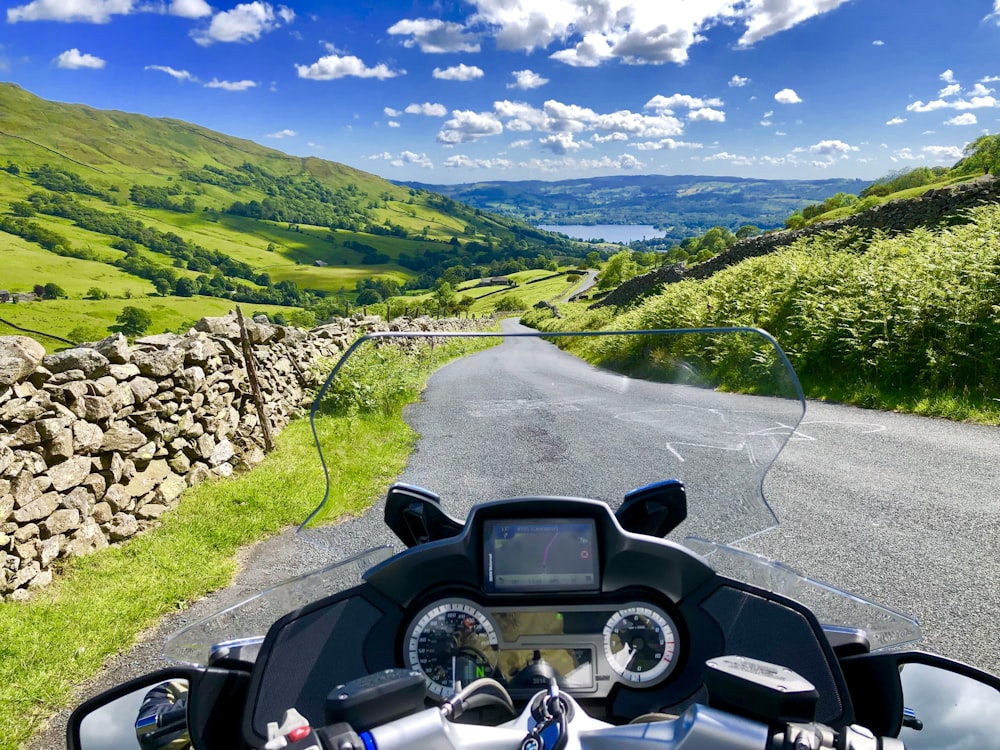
x: 640, y: 643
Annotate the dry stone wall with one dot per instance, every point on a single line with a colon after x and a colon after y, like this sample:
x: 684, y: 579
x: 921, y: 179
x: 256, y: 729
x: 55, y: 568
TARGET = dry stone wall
x: 97, y: 442
x: 933, y: 208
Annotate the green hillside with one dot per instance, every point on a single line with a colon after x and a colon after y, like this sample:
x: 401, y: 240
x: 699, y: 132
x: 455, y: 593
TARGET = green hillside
x: 137, y: 206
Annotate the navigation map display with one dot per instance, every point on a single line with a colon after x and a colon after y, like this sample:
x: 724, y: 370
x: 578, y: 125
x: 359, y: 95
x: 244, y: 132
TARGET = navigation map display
x: 540, y: 555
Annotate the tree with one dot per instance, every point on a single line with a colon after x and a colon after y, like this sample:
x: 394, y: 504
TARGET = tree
x: 96, y: 293
x: 368, y: 297
x: 983, y: 154
x: 52, y: 291
x: 132, y: 321
x: 619, y: 268
x: 186, y: 287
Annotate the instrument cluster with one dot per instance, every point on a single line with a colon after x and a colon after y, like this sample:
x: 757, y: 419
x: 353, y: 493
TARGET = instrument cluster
x: 588, y: 648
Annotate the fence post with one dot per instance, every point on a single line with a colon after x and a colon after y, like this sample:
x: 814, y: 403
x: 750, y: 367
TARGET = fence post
x: 251, y: 368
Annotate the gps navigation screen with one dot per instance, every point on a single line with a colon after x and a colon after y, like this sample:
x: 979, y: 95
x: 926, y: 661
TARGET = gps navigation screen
x: 549, y: 555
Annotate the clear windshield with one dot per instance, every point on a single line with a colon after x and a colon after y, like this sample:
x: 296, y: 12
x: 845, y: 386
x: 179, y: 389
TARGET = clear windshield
x: 594, y: 415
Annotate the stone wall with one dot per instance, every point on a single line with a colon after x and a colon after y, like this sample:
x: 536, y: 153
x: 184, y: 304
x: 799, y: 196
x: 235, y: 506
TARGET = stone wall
x: 933, y: 208
x: 97, y: 442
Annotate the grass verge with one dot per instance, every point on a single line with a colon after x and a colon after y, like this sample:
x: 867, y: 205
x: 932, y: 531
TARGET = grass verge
x: 99, y: 603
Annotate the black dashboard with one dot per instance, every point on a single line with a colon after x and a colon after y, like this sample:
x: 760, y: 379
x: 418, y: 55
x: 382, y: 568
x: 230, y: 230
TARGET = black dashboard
x: 534, y: 589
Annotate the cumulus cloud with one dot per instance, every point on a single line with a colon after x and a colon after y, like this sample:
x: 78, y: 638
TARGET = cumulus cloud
x: 948, y: 76
x: 331, y: 67
x: 189, y: 8
x: 461, y: 72
x: 247, y: 22
x: 562, y: 143
x: 638, y: 32
x: 787, y: 96
x: 569, y: 163
x: 180, y: 75
x: 878, y: 43
x: 738, y: 82
x: 943, y: 153
x: 435, y: 36
x: 73, y: 59
x: 972, y: 102
x: 431, y: 110
x: 742, y: 161
x: 461, y: 160
x: 950, y: 90
x: 609, y: 137
x: 527, y: 79
x: 967, y: 119
x: 766, y: 119
x: 832, y: 149
x: 707, y: 114
x: 390, y: 112
x: 86, y: 11
x: 896, y: 121
x: 467, y: 126
x: 286, y: 133
x: 558, y: 117
x: 668, y: 104
x: 668, y: 144
x: 409, y: 157
x: 393, y: 124
x: 215, y: 83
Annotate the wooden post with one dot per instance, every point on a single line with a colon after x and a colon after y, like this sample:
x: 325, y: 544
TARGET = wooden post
x: 251, y: 368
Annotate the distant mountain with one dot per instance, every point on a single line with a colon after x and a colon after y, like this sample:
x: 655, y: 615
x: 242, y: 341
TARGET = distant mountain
x: 681, y: 205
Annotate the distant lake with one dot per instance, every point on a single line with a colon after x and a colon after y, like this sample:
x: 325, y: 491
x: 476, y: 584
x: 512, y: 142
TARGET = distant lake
x: 621, y: 233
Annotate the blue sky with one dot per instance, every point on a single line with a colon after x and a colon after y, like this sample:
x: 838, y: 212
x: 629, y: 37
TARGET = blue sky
x: 455, y: 91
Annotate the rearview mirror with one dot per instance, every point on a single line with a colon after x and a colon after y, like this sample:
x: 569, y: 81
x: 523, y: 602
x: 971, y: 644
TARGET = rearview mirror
x: 163, y: 710
x: 927, y: 701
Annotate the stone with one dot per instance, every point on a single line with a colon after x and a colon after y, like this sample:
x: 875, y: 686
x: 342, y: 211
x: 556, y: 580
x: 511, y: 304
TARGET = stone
x: 143, y: 389
x: 80, y: 498
x: 179, y: 463
x: 145, y: 481
x: 115, y: 348
x: 49, y: 429
x: 225, y: 326
x: 40, y: 581
x: 7, y: 500
x: 122, y: 527
x: 90, y: 361
x: 158, y: 363
x: 122, y: 396
x: 205, y: 446
x: 60, y: 522
x: 222, y: 452
x: 60, y: 447
x: 118, y: 499
x: 87, y: 437
x: 145, y: 453
x: 95, y: 484
x: 123, y: 372
x: 104, y: 386
x: 199, y: 473
x: 169, y: 490
x: 97, y: 409
x: 121, y: 437
x: 151, y: 510
x: 201, y: 351
x: 191, y: 378
x: 102, y: 513
x: 19, y: 356
x: 69, y: 473
x: 25, y: 574
x: 49, y: 549
x: 160, y: 340
x: 86, y: 539
x: 26, y: 532
x: 26, y: 436
x: 37, y: 509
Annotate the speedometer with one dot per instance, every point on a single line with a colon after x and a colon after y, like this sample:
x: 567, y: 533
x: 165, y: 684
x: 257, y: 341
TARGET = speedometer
x: 640, y: 643
x: 450, y: 642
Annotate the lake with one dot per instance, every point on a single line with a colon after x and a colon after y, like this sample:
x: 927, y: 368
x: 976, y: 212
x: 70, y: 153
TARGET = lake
x: 620, y: 233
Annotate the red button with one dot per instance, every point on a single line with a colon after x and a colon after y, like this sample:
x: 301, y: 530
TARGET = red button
x: 297, y: 734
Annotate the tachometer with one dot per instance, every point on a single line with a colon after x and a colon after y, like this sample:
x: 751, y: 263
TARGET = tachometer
x: 451, y: 641
x: 640, y: 643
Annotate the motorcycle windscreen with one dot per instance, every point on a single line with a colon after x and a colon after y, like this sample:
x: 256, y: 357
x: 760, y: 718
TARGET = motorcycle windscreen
x: 520, y: 413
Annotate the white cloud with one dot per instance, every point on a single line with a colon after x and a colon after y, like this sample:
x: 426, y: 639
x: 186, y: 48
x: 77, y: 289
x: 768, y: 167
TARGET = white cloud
x: 943, y: 153
x: 461, y: 160
x: 527, y: 79
x: 878, y: 43
x: 384, y: 156
x: 520, y: 144
x: 995, y: 15
x: 434, y: 35
x: 950, y: 90
x: 189, y: 8
x: 896, y: 121
x: 390, y: 112
x: 707, y: 114
x: 610, y: 137
x: 431, y: 110
x: 331, y: 67
x: 667, y: 104
x: 668, y: 144
x: 567, y: 164
x: 832, y: 149
x: 180, y: 75
x: 787, y: 96
x: 967, y: 119
x: 639, y: 32
x: 409, y: 157
x: 87, y: 11
x: 286, y: 133
x: 461, y: 72
x: 558, y: 117
x: 244, y: 23
x: 738, y: 82
x: 215, y: 83
x: 562, y: 143
x: 393, y: 124
x: 466, y: 126
x: 974, y: 102
x: 948, y: 76
x: 73, y: 59
x: 979, y: 89
x: 990, y: 79
x: 743, y: 161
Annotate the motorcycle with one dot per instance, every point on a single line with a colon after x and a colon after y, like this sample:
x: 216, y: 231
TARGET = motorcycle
x: 573, y: 580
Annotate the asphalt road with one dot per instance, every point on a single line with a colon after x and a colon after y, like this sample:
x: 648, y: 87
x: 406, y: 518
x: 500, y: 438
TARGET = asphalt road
x: 899, y: 509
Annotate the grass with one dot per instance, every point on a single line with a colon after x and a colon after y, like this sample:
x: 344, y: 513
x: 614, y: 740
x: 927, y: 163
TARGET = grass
x: 100, y: 603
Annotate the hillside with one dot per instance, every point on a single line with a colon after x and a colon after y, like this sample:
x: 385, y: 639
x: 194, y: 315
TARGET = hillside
x: 680, y: 205
x: 105, y: 204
